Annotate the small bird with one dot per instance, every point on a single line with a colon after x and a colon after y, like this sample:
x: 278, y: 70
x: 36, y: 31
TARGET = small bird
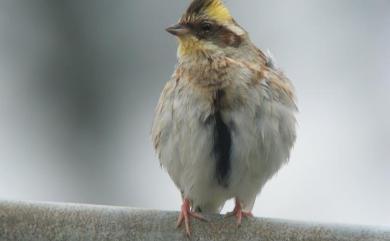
x: 225, y: 122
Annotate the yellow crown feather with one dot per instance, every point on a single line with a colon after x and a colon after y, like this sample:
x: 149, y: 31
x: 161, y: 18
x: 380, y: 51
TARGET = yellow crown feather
x: 214, y: 9
x: 217, y: 10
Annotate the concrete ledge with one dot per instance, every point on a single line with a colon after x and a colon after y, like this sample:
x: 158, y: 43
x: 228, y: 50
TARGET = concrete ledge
x: 28, y: 221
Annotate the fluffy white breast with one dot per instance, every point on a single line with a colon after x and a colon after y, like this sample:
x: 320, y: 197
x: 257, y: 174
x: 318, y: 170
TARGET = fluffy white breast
x: 185, y: 143
x: 260, y: 116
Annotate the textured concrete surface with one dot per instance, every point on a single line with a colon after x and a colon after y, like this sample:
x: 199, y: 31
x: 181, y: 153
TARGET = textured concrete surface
x: 28, y: 221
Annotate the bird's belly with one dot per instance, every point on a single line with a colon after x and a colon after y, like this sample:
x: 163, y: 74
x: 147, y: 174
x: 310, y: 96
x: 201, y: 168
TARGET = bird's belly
x: 261, y: 143
x: 208, y: 168
x: 188, y: 156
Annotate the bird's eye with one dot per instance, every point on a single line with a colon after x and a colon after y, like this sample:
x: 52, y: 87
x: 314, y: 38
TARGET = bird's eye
x: 206, y: 26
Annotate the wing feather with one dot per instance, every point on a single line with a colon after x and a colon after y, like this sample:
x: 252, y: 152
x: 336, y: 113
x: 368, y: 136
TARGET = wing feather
x: 163, y: 115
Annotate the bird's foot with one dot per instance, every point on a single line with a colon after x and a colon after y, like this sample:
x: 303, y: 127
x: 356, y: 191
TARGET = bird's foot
x: 239, y: 213
x: 185, y: 215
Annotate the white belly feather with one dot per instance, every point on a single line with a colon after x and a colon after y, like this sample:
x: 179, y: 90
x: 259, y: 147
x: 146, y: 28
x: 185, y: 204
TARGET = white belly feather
x: 262, y: 133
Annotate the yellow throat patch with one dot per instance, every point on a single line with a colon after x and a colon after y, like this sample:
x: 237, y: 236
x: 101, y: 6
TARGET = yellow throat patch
x: 188, y: 46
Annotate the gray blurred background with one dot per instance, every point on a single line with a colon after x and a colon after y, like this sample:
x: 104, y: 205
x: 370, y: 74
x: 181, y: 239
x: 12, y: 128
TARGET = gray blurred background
x: 79, y: 81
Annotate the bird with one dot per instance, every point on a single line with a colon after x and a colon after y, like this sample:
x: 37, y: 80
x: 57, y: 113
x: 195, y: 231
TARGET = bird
x: 225, y: 122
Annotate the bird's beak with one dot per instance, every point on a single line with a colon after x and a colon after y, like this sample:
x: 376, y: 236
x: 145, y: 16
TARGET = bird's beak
x: 178, y: 30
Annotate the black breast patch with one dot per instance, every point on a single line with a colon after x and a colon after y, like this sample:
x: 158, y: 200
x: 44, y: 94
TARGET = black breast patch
x: 222, y: 142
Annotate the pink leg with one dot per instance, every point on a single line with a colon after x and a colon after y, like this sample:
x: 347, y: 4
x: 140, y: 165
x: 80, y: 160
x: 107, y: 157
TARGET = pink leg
x: 237, y: 211
x: 185, y: 215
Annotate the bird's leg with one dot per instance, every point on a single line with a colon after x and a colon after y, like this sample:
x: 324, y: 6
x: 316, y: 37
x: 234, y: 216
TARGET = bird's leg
x: 239, y: 213
x: 185, y: 215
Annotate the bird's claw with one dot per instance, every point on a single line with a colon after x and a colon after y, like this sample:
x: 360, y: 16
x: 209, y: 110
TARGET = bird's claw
x: 185, y: 215
x: 239, y: 213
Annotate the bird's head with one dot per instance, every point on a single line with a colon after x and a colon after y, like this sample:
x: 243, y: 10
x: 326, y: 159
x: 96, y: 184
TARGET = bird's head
x: 207, y: 27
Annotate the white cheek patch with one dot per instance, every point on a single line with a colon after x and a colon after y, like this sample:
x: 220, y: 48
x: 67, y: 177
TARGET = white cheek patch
x: 210, y: 46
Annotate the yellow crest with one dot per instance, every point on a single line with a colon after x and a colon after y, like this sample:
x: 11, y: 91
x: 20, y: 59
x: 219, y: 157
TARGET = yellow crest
x: 217, y: 10
x: 214, y: 9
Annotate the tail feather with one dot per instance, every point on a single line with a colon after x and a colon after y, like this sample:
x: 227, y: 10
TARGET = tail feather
x: 271, y: 62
